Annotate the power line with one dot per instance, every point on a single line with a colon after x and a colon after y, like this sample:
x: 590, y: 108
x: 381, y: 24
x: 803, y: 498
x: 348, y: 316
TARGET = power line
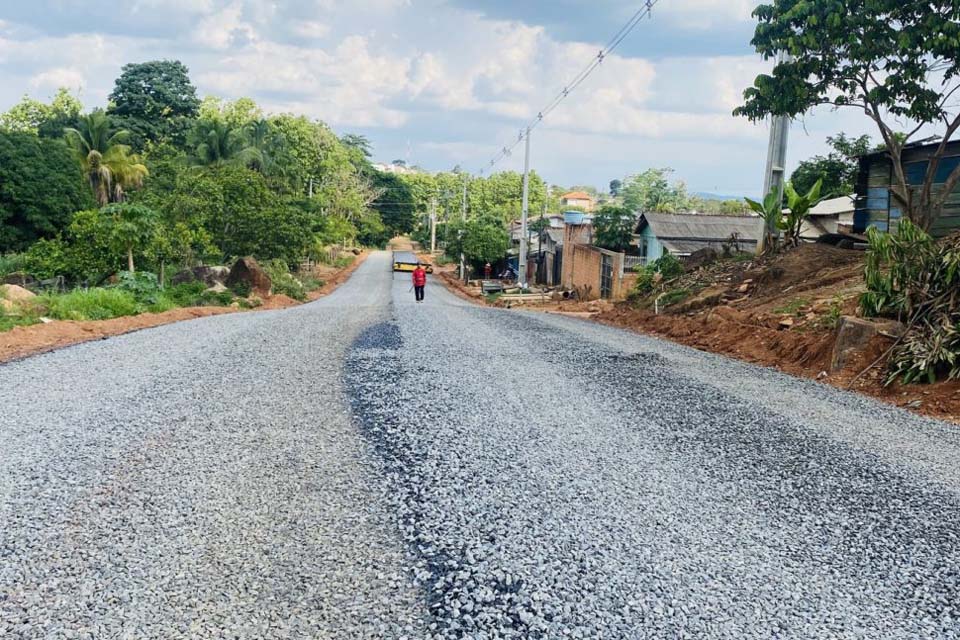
x: 641, y: 13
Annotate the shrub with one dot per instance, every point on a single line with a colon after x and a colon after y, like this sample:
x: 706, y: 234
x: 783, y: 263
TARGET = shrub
x: 914, y: 279
x: 46, y: 259
x: 11, y: 263
x: 674, y: 296
x: 283, y: 282
x: 667, y: 267
x: 143, y: 285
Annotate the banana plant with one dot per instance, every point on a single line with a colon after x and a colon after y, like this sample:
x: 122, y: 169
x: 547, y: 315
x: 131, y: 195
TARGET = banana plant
x: 799, y: 207
x: 772, y: 213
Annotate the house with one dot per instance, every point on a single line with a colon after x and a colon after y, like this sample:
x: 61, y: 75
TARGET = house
x: 681, y: 234
x: 550, y: 256
x: 829, y: 217
x: 580, y: 199
x: 875, y: 207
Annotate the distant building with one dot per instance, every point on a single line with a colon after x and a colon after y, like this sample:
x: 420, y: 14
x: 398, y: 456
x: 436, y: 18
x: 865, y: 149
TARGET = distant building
x: 395, y: 168
x: 580, y: 199
x: 681, y: 234
x: 829, y: 217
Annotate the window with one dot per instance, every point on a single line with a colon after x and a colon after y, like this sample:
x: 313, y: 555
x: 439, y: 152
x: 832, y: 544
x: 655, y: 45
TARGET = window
x: 917, y: 171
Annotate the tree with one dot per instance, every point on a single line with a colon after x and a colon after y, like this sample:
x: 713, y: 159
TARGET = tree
x: 107, y: 163
x: 40, y: 187
x: 893, y: 60
x: 215, y: 144
x: 128, y: 228
x: 396, y: 202
x: 485, y: 240
x: 45, y: 120
x: 358, y: 142
x: 614, y: 227
x: 652, y: 191
x: 155, y: 101
x: 838, y: 170
x: 615, y: 186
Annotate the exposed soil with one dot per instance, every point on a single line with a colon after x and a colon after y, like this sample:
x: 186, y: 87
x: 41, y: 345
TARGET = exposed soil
x: 21, y: 342
x: 779, y: 312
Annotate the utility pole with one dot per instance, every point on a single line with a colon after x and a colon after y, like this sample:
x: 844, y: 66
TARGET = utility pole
x: 463, y: 218
x: 522, y: 276
x: 774, y: 177
x: 433, y: 226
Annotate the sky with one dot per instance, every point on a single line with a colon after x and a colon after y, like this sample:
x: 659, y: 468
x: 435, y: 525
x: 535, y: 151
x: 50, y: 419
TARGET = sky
x: 441, y: 83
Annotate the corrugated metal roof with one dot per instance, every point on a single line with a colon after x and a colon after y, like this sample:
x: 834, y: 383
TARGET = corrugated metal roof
x: 834, y: 206
x: 690, y: 226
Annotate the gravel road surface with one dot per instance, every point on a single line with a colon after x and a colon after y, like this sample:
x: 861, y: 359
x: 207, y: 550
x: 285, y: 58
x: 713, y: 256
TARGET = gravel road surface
x: 368, y: 467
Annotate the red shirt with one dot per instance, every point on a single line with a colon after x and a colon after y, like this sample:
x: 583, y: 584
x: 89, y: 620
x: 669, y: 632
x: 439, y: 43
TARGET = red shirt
x: 419, y: 277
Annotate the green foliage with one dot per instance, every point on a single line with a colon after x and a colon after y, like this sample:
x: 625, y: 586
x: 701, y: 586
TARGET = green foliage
x: 793, y: 307
x: 837, y: 170
x: 46, y: 259
x: 144, y: 286
x: 283, y: 281
x: 106, y: 161
x: 799, y: 210
x: 892, y: 60
x: 911, y: 277
x: 155, y: 101
x: 485, y: 240
x: 663, y: 269
x: 46, y: 120
x: 128, y: 228
x: 653, y: 191
x: 40, y: 186
x: 614, y: 227
x: 771, y: 210
x: 11, y: 263
x: 90, y: 304
x: 673, y: 297
x: 397, y: 205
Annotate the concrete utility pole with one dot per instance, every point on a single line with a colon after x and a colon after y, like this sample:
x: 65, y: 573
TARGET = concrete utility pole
x: 463, y: 217
x: 774, y: 177
x: 433, y: 226
x: 522, y: 276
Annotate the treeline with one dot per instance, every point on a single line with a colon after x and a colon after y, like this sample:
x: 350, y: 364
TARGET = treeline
x: 161, y: 177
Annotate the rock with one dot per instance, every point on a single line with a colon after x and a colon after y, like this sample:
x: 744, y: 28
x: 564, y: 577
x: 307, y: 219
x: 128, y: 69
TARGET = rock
x: 855, y: 333
x: 46, y: 320
x: 254, y: 301
x: 218, y: 287
x: 7, y: 306
x: 786, y: 323
x: 248, y: 271
x: 16, y: 293
x: 19, y: 278
x: 234, y: 305
x: 745, y: 287
x: 209, y: 276
x: 700, y: 258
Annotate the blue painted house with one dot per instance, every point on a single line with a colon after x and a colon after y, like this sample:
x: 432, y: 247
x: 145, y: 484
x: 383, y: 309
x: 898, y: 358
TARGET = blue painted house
x: 681, y: 234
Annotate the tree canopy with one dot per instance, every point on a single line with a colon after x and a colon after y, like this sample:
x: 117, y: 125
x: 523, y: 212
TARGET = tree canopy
x: 155, y: 101
x: 892, y: 60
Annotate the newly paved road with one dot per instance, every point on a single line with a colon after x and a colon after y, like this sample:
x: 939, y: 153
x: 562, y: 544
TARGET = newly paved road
x: 366, y: 467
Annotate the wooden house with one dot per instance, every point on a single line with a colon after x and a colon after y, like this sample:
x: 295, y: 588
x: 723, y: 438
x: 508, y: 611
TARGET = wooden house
x: 876, y: 207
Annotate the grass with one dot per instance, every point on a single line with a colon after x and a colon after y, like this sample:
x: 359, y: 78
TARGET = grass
x: 793, y: 307
x: 674, y: 296
x: 90, y: 304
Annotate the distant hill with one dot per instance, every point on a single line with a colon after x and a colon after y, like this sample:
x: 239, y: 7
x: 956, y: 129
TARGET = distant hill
x: 714, y: 196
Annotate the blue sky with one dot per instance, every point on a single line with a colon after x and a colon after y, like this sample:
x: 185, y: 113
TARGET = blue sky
x: 443, y: 82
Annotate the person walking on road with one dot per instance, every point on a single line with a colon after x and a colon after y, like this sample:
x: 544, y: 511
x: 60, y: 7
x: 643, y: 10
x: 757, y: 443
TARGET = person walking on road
x: 419, y: 281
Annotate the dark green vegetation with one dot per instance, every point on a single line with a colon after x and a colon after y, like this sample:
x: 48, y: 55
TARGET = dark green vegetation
x: 915, y: 279
x: 161, y: 180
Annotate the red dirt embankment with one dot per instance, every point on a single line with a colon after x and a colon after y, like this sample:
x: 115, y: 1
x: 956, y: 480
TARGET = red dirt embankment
x: 21, y: 342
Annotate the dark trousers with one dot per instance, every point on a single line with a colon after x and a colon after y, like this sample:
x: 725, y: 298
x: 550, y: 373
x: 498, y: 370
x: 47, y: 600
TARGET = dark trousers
x: 419, y: 292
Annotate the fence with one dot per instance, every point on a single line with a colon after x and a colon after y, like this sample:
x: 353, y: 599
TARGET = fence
x: 629, y: 262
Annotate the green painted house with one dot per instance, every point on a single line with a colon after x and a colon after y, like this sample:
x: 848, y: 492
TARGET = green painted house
x: 876, y: 207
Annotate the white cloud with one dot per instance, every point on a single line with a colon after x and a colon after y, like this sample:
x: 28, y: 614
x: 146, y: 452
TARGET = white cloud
x: 72, y: 79
x: 311, y: 29
x: 222, y: 29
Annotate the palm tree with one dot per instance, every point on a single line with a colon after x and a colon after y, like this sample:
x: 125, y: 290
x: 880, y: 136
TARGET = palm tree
x: 217, y: 144
x: 108, y: 164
